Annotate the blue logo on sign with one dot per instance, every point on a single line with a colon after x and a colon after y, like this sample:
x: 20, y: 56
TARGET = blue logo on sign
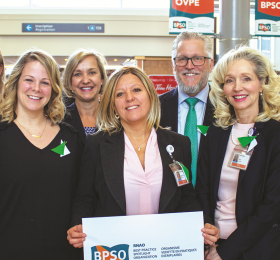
x: 92, y: 28
x: 119, y: 252
x: 28, y: 27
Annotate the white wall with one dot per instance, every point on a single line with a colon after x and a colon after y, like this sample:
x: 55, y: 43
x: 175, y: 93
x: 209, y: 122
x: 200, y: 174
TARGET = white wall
x: 130, y: 33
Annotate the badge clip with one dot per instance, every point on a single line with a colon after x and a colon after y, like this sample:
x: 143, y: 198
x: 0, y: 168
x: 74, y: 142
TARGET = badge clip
x: 181, y: 173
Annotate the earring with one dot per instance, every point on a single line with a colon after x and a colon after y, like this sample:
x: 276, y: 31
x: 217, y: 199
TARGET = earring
x: 117, y: 117
x: 261, y: 93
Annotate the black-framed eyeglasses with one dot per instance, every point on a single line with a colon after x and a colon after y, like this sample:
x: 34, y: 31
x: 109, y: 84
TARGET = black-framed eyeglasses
x: 196, y: 60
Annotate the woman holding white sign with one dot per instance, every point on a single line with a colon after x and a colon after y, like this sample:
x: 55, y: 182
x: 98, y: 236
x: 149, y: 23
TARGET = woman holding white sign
x: 127, y: 167
x: 239, y: 176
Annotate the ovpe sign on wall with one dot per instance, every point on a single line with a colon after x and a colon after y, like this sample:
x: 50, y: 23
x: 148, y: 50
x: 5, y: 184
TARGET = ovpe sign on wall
x: 191, y: 15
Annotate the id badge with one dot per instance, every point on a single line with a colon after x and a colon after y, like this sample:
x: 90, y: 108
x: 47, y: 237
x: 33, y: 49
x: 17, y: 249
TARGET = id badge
x: 180, y: 174
x: 240, y: 158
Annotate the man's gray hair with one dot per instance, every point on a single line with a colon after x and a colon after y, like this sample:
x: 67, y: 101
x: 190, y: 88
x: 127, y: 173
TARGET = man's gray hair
x: 208, y: 43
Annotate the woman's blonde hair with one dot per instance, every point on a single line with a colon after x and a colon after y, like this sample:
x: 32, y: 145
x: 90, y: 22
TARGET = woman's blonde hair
x: 54, y: 110
x: 72, y: 63
x: 2, y: 74
x: 269, y: 102
x: 106, y: 117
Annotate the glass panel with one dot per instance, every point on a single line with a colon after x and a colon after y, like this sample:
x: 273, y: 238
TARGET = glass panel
x: 14, y: 3
x: 259, y: 43
x: 267, y: 54
x: 266, y: 44
x: 145, y: 4
x: 84, y: 4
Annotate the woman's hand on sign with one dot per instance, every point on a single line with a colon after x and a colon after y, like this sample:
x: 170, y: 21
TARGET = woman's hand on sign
x: 210, y: 234
x: 76, y: 237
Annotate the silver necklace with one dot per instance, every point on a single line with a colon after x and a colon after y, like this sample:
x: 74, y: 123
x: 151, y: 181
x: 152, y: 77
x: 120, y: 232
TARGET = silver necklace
x: 231, y: 134
x: 138, y: 146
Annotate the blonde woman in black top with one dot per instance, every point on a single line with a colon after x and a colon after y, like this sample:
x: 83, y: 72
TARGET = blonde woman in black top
x: 39, y: 158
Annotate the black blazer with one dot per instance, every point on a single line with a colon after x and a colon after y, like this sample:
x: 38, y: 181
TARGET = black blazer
x: 72, y: 117
x: 101, y: 189
x: 169, y: 114
x: 257, y: 236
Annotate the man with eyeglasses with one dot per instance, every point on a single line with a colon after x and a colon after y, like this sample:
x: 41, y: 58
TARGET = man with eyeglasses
x: 188, y: 105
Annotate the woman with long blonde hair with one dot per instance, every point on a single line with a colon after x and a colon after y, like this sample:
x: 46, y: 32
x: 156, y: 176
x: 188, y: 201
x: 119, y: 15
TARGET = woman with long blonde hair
x: 39, y: 158
x: 238, y: 181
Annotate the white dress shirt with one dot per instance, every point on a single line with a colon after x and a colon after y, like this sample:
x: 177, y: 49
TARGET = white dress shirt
x: 183, y: 109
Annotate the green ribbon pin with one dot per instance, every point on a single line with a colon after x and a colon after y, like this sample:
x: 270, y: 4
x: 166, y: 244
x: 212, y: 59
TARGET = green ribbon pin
x: 186, y: 171
x: 60, y: 149
x: 203, y: 129
x: 246, y: 140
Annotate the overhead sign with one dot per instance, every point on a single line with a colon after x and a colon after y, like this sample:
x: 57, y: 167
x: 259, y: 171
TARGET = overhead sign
x: 191, y: 16
x: 63, y: 27
x: 163, y: 83
x: 267, y: 20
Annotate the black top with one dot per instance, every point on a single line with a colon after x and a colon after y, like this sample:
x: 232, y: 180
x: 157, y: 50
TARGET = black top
x: 36, y: 190
x: 72, y: 117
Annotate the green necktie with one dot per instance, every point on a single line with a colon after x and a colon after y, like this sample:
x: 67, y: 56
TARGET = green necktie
x: 191, y: 132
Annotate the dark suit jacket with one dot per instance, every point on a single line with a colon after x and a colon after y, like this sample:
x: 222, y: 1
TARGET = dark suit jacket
x: 257, y: 236
x: 101, y: 189
x: 72, y: 117
x: 169, y: 114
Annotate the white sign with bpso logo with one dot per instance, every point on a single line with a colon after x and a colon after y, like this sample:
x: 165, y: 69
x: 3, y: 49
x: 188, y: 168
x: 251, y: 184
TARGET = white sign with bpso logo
x: 156, y: 236
x: 267, y: 27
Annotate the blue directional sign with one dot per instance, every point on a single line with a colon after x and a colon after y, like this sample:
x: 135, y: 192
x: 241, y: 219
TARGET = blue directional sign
x: 29, y: 27
x: 63, y: 28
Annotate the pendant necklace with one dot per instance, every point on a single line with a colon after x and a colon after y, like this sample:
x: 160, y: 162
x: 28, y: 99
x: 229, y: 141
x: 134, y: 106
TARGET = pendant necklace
x: 138, y: 146
x: 231, y: 134
x: 33, y: 135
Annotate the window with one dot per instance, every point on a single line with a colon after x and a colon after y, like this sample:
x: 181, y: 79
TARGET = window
x: 15, y: 3
x: 87, y: 4
x: 159, y: 4
x: 264, y: 45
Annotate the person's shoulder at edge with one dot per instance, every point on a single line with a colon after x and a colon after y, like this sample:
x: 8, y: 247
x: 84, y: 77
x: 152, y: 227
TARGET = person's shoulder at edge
x: 3, y: 124
x: 176, y: 136
x: 64, y: 125
x: 69, y: 110
x: 271, y: 131
x: 99, y: 136
x: 215, y: 128
x: 273, y: 125
x: 71, y: 107
x: 169, y: 94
